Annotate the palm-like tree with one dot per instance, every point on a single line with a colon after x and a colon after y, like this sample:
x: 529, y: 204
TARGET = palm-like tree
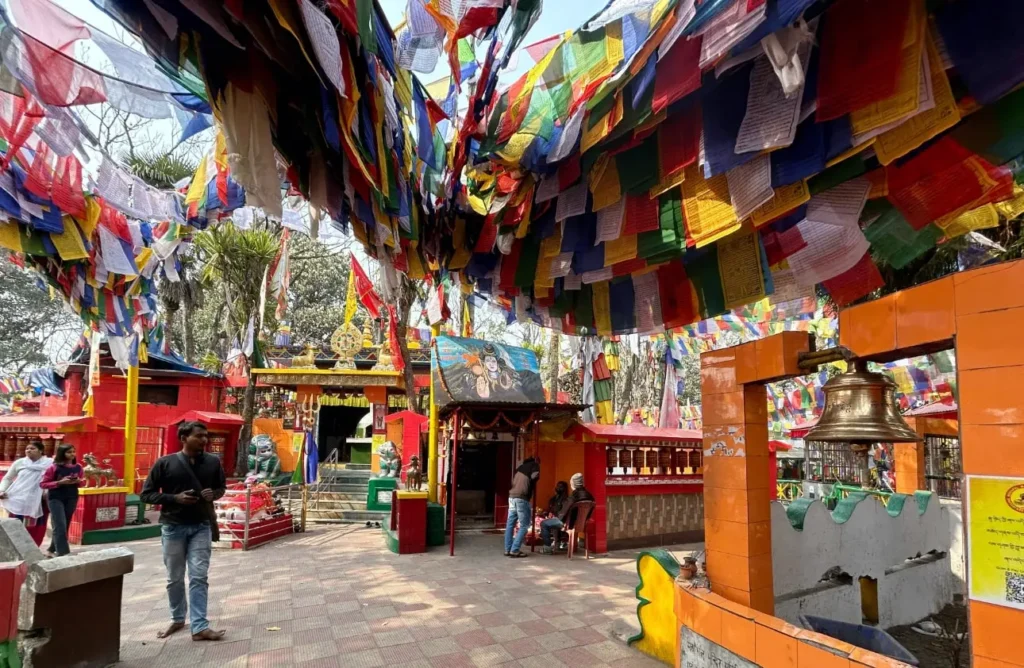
x: 236, y: 262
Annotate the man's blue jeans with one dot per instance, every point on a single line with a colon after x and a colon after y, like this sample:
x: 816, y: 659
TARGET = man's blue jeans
x: 545, y: 529
x: 517, y: 509
x: 189, y: 544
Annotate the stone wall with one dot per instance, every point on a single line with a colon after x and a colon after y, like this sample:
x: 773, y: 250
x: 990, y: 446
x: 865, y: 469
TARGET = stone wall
x: 651, y: 520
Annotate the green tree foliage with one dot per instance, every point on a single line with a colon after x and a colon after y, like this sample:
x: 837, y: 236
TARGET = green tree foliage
x: 34, y: 330
x: 236, y: 262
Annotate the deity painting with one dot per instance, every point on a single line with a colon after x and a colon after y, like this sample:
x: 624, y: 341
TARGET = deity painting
x: 475, y: 370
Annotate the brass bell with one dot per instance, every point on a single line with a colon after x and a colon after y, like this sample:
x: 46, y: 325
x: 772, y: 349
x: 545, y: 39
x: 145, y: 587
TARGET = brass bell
x: 860, y: 407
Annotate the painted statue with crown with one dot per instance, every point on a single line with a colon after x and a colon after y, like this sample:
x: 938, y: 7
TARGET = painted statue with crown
x: 263, y: 461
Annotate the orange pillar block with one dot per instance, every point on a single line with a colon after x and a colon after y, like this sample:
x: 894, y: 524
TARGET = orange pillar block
x: 909, y: 461
x: 737, y: 525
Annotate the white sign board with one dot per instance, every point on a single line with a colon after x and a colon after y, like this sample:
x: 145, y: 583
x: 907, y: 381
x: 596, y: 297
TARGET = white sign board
x: 384, y: 496
x: 107, y: 514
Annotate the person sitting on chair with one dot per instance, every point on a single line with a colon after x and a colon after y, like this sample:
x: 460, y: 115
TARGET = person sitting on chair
x: 579, y: 493
x: 558, y: 511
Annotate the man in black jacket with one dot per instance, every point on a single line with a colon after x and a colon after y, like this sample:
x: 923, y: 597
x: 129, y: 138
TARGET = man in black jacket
x: 519, y: 497
x: 185, y: 486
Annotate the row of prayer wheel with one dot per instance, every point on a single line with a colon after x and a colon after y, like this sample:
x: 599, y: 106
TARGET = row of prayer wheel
x: 654, y: 460
x: 12, y: 446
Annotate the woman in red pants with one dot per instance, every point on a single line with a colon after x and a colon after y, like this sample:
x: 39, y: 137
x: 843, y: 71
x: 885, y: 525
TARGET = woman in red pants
x: 20, y: 493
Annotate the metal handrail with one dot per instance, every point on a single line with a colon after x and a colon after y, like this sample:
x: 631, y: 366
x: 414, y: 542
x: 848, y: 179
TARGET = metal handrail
x: 315, y: 488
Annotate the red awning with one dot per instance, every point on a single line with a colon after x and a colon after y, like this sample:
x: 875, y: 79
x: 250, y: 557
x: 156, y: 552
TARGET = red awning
x: 779, y: 446
x: 57, y: 423
x: 938, y: 409
x: 210, y: 417
x: 613, y: 433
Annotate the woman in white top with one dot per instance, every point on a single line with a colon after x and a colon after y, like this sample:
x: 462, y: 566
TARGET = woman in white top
x: 20, y: 493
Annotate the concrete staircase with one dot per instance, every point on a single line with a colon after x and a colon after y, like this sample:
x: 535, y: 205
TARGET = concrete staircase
x: 341, y: 496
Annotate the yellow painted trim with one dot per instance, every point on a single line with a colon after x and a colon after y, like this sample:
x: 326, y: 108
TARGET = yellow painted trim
x: 324, y: 372
x: 90, y: 491
x: 407, y: 494
x: 131, y: 415
x: 435, y: 331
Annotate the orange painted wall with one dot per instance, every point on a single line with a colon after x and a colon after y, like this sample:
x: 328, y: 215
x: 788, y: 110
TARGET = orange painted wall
x: 982, y: 311
x: 559, y: 460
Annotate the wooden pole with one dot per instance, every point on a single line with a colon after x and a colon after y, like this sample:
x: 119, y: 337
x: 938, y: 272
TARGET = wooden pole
x: 435, y: 330
x: 455, y: 473
x: 131, y: 416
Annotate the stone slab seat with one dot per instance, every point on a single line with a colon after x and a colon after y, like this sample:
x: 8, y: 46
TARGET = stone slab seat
x: 52, y: 629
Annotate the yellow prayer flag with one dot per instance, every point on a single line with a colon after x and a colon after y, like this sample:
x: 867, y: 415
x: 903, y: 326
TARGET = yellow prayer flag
x: 976, y: 219
x: 416, y: 271
x: 543, y: 277
x: 525, y: 198
x: 605, y: 186
x: 906, y: 99
x: 620, y: 250
x: 1014, y: 206
x: 593, y: 134
x: 786, y: 199
x: 197, y: 189
x: 10, y: 236
x: 920, y: 128
x: 551, y: 246
x: 284, y: 12
x: 667, y: 182
x: 350, y: 297
x: 613, y: 49
x: 739, y: 266
x: 708, y: 208
x: 602, y: 308
x: 359, y: 230
x: 403, y: 88
x: 92, y: 217
x: 69, y: 243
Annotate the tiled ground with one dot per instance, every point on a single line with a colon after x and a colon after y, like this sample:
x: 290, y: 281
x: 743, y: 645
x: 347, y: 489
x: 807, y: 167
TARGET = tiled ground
x: 336, y: 597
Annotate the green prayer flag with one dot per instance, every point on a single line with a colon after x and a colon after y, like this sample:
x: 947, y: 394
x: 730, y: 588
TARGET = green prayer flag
x: 526, y: 271
x: 585, y: 308
x: 365, y: 18
x: 702, y: 270
x: 638, y: 167
x: 850, y: 168
x: 896, y: 243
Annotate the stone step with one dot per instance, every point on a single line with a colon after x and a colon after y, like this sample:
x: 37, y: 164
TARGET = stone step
x: 346, y: 476
x: 347, y: 516
x: 347, y: 488
x: 332, y: 504
x: 339, y: 496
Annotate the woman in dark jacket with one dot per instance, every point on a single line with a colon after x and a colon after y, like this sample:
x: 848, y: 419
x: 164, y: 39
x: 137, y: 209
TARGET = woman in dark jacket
x: 61, y: 482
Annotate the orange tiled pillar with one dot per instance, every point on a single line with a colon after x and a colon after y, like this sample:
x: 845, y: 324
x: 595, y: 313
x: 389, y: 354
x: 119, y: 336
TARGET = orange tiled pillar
x: 982, y: 310
x: 909, y: 461
x: 990, y: 365
x: 737, y: 523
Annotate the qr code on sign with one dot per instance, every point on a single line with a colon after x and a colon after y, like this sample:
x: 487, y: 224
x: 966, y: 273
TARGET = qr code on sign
x: 1014, y: 587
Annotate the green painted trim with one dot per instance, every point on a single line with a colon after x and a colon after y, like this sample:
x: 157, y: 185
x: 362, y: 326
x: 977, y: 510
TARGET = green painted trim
x: 9, y: 657
x: 797, y: 509
x: 121, y: 534
x: 390, y: 539
x: 671, y: 566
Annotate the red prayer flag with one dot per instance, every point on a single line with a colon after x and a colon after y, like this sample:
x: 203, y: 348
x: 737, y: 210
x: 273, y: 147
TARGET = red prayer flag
x: 677, y: 305
x: 364, y: 289
x: 679, y: 140
x: 488, y: 235
x: 677, y: 73
x: 569, y: 171
x: 861, y: 54
x: 855, y: 283
x: 40, y: 174
x: 67, y: 186
x: 641, y: 215
x: 935, y: 182
x: 393, y: 341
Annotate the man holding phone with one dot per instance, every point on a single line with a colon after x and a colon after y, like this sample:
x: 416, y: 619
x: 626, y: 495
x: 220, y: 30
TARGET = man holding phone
x: 185, y: 485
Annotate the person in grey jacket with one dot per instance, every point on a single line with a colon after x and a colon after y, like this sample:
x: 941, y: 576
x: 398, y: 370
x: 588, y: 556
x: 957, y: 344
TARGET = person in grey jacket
x: 519, y: 497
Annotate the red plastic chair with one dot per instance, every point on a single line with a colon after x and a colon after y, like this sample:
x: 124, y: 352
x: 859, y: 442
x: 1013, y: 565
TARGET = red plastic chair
x: 584, y: 510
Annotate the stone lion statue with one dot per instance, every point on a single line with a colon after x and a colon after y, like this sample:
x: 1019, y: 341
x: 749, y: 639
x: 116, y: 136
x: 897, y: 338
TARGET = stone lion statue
x: 390, y: 460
